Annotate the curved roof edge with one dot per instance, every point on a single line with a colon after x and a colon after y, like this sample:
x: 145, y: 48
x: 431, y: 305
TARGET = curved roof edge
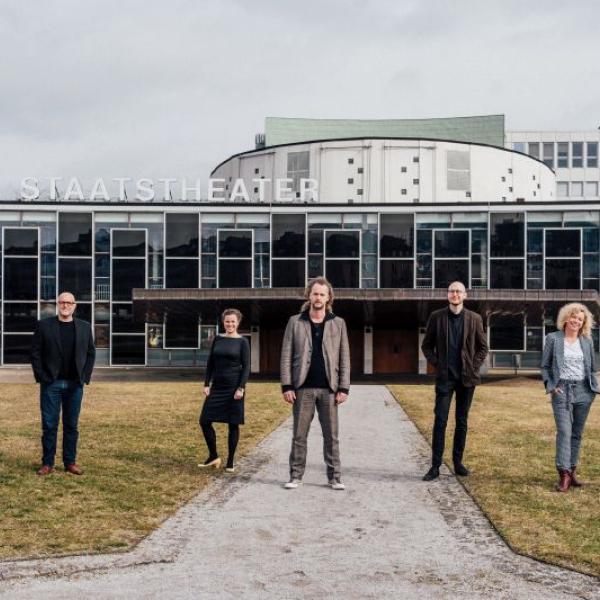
x: 372, y: 137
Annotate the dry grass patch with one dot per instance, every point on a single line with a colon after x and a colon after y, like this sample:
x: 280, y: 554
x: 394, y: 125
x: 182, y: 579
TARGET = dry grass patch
x: 510, y: 449
x: 139, y: 445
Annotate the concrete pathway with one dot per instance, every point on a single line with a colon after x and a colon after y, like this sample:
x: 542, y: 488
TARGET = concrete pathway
x: 389, y: 535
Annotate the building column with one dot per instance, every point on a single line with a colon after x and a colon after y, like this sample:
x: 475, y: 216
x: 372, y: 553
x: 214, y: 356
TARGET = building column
x: 255, y: 349
x: 422, y: 359
x: 368, y: 351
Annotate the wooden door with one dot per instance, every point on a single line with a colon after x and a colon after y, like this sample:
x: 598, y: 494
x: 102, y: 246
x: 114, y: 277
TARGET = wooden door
x: 270, y: 350
x: 395, y: 351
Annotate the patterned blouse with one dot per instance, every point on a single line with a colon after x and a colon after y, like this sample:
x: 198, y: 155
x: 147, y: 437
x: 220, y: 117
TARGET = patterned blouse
x: 573, y: 368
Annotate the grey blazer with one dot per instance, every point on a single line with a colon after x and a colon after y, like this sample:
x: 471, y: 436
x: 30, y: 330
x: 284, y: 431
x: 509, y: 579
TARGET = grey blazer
x: 553, y: 356
x: 297, y: 348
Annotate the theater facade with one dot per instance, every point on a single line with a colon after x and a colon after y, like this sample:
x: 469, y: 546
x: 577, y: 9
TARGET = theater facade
x: 399, y: 210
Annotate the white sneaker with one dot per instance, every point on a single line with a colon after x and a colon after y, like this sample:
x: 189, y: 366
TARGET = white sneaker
x: 336, y: 484
x: 292, y: 484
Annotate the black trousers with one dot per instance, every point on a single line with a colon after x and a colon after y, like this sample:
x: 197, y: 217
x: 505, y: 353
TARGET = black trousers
x: 443, y: 399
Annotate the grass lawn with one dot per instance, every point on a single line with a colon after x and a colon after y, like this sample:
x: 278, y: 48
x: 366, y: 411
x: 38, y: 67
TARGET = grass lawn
x: 510, y: 450
x: 139, y: 445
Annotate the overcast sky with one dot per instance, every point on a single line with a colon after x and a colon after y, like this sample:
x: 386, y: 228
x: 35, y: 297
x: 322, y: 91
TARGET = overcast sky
x: 154, y: 89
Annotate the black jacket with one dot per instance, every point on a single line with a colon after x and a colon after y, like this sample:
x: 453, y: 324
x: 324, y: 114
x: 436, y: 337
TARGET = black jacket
x: 474, y: 346
x: 46, y: 350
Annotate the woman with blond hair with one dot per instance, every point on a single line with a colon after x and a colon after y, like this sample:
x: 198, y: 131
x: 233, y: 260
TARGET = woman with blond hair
x: 569, y: 374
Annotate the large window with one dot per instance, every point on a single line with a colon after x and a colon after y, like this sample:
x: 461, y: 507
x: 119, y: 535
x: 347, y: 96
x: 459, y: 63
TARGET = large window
x: 75, y: 276
x: 75, y: 234
x: 451, y: 256
x: 507, y: 332
x: 562, y: 258
x: 20, y: 278
x: 396, y: 236
x: 182, y: 234
x: 396, y: 273
x: 288, y: 241
x: 129, y: 242
x: 123, y: 319
x: 21, y: 242
x: 182, y: 250
x: 507, y: 250
x: 181, y: 273
x: 235, y: 258
x: 507, y: 274
x: 128, y: 262
x: 289, y: 236
x: 342, y: 257
x: 20, y: 316
x: 507, y: 235
x: 127, y: 274
x: 289, y: 273
x: 562, y: 274
x: 20, y: 281
x: 16, y: 348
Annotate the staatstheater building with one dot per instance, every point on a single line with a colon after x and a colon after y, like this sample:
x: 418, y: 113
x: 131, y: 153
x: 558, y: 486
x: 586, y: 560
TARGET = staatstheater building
x: 390, y: 211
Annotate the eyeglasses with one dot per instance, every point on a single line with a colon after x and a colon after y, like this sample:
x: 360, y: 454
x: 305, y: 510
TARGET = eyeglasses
x: 456, y: 291
x: 64, y: 303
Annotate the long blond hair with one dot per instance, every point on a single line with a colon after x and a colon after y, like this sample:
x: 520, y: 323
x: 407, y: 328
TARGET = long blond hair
x: 573, y: 308
x: 308, y: 289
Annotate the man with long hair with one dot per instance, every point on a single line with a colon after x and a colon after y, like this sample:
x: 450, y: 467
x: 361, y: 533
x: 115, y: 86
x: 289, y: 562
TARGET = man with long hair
x: 315, y: 373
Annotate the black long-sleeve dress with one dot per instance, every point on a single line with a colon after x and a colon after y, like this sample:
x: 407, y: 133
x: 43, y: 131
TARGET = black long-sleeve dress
x: 227, y: 370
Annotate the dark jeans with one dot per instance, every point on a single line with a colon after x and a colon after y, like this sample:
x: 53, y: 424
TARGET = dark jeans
x: 443, y: 398
x: 54, y: 396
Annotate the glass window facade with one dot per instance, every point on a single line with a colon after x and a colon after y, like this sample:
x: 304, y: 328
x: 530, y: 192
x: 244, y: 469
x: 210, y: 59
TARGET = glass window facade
x: 102, y: 256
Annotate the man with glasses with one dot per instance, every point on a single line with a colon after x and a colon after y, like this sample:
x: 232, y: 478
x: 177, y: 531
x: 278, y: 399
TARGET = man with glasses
x: 455, y: 344
x: 62, y: 358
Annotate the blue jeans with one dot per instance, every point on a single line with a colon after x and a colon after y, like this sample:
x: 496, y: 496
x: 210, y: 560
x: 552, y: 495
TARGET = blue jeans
x: 67, y: 395
x: 571, y: 409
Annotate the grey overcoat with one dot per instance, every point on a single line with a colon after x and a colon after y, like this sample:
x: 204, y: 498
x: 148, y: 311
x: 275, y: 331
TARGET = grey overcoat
x: 297, y: 347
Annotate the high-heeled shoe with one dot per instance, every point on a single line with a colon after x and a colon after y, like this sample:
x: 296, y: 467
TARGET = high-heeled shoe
x: 215, y: 462
x: 230, y: 469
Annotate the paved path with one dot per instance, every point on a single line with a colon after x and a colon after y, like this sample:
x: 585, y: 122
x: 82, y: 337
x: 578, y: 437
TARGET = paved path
x: 389, y: 535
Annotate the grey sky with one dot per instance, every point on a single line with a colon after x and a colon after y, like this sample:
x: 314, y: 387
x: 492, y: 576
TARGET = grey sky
x: 170, y: 89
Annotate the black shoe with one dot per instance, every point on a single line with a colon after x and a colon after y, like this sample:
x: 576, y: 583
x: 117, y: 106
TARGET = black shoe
x: 460, y: 469
x: 432, y: 474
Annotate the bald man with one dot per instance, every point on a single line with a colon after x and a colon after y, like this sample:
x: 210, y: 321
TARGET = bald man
x: 455, y: 344
x: 62, y: 358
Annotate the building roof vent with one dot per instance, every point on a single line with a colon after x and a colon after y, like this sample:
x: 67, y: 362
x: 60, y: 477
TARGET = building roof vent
x: 259, y: 141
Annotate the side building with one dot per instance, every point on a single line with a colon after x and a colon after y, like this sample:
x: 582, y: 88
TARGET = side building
x: 399, y: 210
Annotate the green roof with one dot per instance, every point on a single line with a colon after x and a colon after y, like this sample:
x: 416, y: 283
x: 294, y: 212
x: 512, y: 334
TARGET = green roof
x: 488, y: 129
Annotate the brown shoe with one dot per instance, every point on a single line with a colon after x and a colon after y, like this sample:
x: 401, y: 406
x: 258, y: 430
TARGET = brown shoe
x: 74, y: 469
x: 564, y: 482
x: 574, y: 481
x: 45, y: 470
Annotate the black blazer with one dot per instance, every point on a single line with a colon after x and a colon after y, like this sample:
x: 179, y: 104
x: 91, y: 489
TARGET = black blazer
x: 46, y: 350
x: 474, y: 347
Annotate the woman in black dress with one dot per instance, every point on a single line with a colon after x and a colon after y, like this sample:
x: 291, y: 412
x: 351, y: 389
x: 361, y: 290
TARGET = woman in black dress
x: 227, y: 371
